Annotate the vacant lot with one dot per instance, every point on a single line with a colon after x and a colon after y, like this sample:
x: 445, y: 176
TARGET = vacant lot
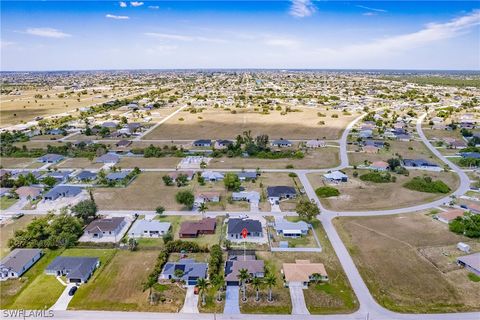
x: 314, y: 159
x: 359, y: 195
x: 7, y: 231
x: 118, y: 285
x: 407, y: 150
x: 34, y: 290
x: 81, y: 163
x: 20, y: 163
x: 220, y: 124
x: 148, y: 163
x: 398, y: 259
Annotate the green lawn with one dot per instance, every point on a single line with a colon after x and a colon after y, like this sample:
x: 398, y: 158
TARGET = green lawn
x: 6, y: 202
x: 105, y: 255
x: 15, y: 293
x: 42, y: 293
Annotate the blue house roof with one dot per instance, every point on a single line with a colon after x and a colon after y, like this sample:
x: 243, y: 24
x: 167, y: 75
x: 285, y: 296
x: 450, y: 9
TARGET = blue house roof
x: 191, y: 269
x: 115, y: 176
x: 86, y: 175
x: 51, y: 158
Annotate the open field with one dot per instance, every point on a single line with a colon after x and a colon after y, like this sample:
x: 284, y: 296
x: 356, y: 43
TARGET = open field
x: 118, y: 285
x: 408, y: 150
x: 220, y: 124
x: 148, y: 163
x: 81, y: 163
x: 315, y: 159
x: 34, y: 290
x: 32, y: 144
x: 360, y: 195
x: 20, y: 163
x: 7, y: 231
x: 400, y: 261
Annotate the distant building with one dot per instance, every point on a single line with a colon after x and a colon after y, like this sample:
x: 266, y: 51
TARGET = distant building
x: 50, y: 158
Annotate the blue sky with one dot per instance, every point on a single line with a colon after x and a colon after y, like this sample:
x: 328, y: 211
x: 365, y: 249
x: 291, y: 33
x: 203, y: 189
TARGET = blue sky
x: 73, y: 35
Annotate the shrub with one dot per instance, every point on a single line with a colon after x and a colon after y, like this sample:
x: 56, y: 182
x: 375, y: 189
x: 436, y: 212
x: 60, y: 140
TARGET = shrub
x: 426, y: 184
x: 326, y: 192
x: 377, y: 177
x: 468, y: 225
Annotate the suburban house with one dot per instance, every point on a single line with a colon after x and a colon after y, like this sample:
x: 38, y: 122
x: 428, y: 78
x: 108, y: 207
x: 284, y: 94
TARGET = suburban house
x: 370, y: 149
x: 208, y: 196
x: 28, y: 192
x: 290, y: 229
x: 420, y: 164
x: 190, y: 271
x: 108, y: 158
x: 367, y: 133
x: 315, y: 144
x: 256, y: 268
x: 75, y: 269
x: 470, y: 262
x: 188, y: 174
x: 281, y: 143
x: 17, y: 262
x: 149, y: 229
x: 336, y: 176
x: 448, y: 216
x: 202, y: 143
x: 379, y: 166
x: 192, y: 229
x: 222, y: 144
x: 62, y: 191
x: 247, y: 175
x: 249, y: 196
x: 105, y: 227
x: 109, y: 124
x: 117, y: 176
x: 60, y: 176
x: 123, y: 143
x: 212, y: 176
x: 51, y: 158
x: 236, y: 225
x: 303, y: 271
x: 86, y: 176
x: 277, y: 193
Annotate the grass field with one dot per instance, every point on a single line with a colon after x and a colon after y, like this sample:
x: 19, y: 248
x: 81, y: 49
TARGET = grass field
x: 6, y: 202
x: 220, y: 124
x: 78, y: 163
x: 118, y: 286
x: 401, y: 260
x: 20, y: 163
x: 34, y: 290
x: 314, y: 159
x: 148, y: 163
x: 360, y: 195
x: 7, y: 231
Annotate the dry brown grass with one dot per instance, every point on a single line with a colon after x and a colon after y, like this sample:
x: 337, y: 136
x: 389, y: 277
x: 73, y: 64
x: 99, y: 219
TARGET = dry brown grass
x: 78, y: 163
x: 148, y: 163
x: 119, y: 286
x: 219, y: 124
x: 7, y: 231
x: 359, y: 195
x: 389, y: 252
x: 20, y: 163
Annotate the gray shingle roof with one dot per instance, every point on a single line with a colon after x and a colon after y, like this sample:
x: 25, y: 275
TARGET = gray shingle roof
x: 236, y: 225
x: 76, y: 267
x: 18, y: 258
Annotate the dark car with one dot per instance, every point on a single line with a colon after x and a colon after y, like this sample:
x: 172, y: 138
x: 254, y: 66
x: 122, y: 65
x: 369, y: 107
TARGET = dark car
x: 72, y: 290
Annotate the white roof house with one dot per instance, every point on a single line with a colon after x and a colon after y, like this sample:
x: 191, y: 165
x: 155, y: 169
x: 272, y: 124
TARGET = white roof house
x: 149, y: 229
x: 336, y: 176
x: 290, y: 229
x: 212, y: 175
x: 250, y: 196
x: 315, y: 144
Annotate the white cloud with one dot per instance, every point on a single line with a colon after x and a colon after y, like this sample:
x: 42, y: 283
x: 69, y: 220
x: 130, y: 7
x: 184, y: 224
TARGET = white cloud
x: 282, y: 42
x: 371, y: 9
x: 112, y: 16
x: 180, y: 37
x: 47, y: 32
x: 136, y: 3
x: 153, y: 7
x: 302, y: 8
x: 123, y: 4
x: 369, y: 13
x: 4, y: 44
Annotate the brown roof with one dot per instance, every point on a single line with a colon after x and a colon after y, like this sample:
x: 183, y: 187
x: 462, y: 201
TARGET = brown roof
x: 301, y: 270
x: 25, y: 191
x: 175, y: 174
x: 253, y: 267
x: 450, y: 214
x: 194, y: 227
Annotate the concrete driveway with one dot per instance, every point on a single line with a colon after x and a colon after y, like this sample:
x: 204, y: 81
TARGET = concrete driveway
x: 298, y: 300
x: 191, y: 301
x: 231, y: 300
x: 64, y: 299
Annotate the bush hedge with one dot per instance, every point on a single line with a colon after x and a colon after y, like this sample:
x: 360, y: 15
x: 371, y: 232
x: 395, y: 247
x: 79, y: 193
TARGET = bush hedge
x: 326, y: 192
x: 426, y: 184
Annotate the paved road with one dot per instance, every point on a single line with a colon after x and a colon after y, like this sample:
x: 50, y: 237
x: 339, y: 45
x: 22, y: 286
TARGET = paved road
x: 191, y: 301
x: 231, y: 300
x: 298, y: 300
x: 159, y: 123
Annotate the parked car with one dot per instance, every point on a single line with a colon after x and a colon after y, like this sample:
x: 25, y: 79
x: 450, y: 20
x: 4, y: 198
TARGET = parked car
x: 72, y: 290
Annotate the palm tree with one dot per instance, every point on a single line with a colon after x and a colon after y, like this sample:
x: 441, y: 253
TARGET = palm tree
x: 243, y: 276
x: 316, y: 277
x: 178, y: 273
x: 151, y: 281
x: 202, y: 285
x: 217, y: 281
x: 256, y: 282
x: 271, y: 281
x: 202, y: 208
